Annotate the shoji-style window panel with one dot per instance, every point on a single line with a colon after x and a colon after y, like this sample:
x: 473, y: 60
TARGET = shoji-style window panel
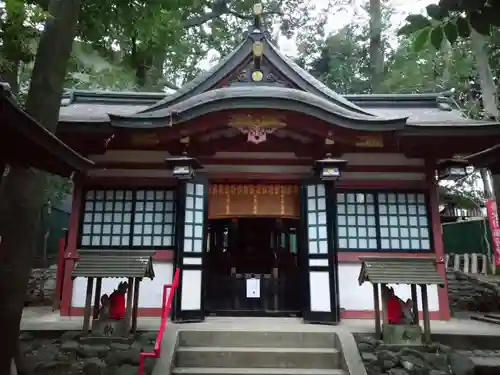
x: 316, y: 219
x: 194, y: 217
x: 128, y: 219
x: 356, y: 221
x: 403, y: 221
x: 107, y: 218
x: 154, y: 217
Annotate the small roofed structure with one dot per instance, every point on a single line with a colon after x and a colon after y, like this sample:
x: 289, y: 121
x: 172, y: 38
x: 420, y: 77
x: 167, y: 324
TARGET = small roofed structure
x: 99, y: 264
x: 390, y: 270
x: 26, y: 143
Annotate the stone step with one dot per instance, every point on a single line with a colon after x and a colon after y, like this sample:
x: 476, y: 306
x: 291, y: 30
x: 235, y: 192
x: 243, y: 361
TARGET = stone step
x: 241, y: 357
x: 492, y: 316
x: 257, y: 339
x: 254, y: 371
x: 485, y: 319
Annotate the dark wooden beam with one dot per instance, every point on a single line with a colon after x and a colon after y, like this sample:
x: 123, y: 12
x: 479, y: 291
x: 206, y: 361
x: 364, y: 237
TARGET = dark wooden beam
x: 135, y: 308
x: 414, y: 300
x: 376, y: 303
x: 97, y: 297
x: 207, y: 160
x: 88, y: 306
x: 425, y: 310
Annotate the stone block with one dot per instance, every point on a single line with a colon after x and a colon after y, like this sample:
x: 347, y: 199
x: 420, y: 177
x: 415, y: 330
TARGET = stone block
x: 109, y: 328
x: 402, y: 334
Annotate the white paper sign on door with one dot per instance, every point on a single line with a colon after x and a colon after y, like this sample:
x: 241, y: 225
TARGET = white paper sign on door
x: 253, y: 288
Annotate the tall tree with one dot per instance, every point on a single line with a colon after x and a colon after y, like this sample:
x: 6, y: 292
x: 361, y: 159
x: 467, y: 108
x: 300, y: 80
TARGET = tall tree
x: 23, y: 189
x: 376, y: 46
x: 343, y: 60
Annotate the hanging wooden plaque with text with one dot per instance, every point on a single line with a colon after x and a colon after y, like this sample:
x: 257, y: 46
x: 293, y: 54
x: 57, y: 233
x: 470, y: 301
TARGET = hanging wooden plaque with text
x: 246, y: 200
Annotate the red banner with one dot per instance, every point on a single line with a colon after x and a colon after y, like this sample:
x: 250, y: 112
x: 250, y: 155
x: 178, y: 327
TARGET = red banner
x: 491, y: 207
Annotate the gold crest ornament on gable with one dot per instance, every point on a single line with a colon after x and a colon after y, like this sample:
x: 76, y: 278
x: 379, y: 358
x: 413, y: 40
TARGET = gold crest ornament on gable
x: 256, y: 127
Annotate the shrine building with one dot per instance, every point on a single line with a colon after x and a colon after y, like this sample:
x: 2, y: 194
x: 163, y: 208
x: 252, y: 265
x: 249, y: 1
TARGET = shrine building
x: 263, y: 186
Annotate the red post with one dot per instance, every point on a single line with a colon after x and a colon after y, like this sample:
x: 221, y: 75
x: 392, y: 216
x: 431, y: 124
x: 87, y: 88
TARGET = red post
x: 60, y: 273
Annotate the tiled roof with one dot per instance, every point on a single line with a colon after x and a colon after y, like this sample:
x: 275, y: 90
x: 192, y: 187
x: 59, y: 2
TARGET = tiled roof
x: 391, y: 270
x: 114, y: 263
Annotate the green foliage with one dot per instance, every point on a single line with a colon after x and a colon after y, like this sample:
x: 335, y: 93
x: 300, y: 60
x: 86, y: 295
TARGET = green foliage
x: 437, y: 36
x: 421, y: 38
x: 451, y: 32
x: 455, y: 18
x: 57, y: 188
x: 341, y: 60
x: 414, y: 23
x: 145, y: 44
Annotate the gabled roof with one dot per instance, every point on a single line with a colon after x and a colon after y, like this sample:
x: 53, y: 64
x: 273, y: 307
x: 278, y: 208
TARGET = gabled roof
x: 298, y: 76
x: 306, y: 94
x: 26, y: 143
x: 420, y: 114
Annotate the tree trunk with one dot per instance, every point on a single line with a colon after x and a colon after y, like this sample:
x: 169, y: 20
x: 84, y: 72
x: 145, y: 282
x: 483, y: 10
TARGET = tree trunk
x: 24, y: 188
x: 447, y: 59
x: 488, y: 87
x: 155, y: 75
x: 376, y: 48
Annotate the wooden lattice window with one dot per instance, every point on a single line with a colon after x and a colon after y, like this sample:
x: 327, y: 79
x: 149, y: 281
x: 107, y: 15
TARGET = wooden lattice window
x: 403, y: 221
x: 128, y: 218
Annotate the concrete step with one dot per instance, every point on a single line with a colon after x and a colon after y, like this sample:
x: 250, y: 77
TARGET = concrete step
x: 492, y: 316
x: 241, y: 357
x: 257, y: 339
x: 254, y: 371
x: 482, y: 318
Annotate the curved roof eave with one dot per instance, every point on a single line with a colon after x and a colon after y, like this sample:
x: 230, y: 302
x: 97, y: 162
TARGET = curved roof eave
x: 472, y: 128
x: 248, y: 97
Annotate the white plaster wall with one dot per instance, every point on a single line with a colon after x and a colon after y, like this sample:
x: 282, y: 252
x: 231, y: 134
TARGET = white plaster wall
x: 356, y: 297
x: 150, y: 292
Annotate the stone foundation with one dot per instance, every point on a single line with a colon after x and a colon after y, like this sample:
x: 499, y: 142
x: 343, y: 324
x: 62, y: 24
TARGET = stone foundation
x: 468, y: 293
x: 381, y: 359
x: 402, y: 334
x: 68, y: 355
x: 41, y: 286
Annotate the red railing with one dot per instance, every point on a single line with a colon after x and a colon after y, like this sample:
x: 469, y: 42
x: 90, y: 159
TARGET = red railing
x: 165, y: 311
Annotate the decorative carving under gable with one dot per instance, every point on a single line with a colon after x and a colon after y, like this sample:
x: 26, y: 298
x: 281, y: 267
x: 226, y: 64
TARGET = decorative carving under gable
x: 256, y: 127
x: 270, y: 75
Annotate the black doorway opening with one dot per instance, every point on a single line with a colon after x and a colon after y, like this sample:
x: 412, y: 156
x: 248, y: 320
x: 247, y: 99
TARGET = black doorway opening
x: 252, y: 253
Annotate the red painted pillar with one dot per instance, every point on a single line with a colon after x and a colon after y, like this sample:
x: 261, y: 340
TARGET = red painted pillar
x: 444, y: 304
x: 59, y: 272
x: 71, y: 253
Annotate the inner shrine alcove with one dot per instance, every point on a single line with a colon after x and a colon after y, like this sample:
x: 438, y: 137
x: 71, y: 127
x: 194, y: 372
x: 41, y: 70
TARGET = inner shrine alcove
x: 253, y: 200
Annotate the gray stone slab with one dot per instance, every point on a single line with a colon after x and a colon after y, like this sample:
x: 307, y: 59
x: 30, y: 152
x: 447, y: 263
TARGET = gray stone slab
x: 263, y: 357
